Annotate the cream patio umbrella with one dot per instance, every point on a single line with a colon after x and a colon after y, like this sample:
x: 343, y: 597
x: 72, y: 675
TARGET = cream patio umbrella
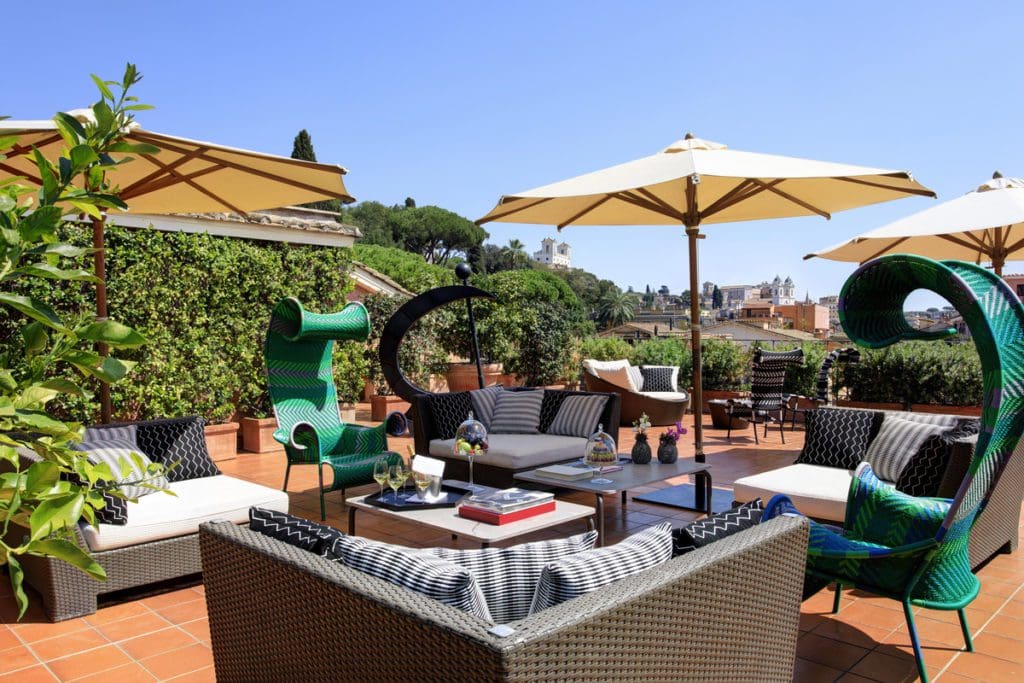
x: 695, y: 182
x: 986, y: 224
x: 185, y: 176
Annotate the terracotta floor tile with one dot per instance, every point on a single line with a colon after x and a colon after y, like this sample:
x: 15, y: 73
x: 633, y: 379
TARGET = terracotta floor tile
x: 7, y: 638
x: 33, y: 632
x: 950, y: 677
x: 153, y: 644
x: 886, y: 667
x: 158, y: 602
x: 185, y: 612
x: 181, y: 661
x: 132, y: 627
x: 86, y: 663
x: 853, y: 678
x: 811, y: 672
x: 64, y: 646
x: 861, y: 635
x: 35, y: 674
x: 1006, y: 626
x: 865, y: 613
x: 985, y: 668
x: 14, y: 658
x: 938, y: 632
x: 126, y: 673
x: 116, y: 613
x: 833, y: 653
x: 206, y: 675
x: 200, y: 629
x: 994, y: 645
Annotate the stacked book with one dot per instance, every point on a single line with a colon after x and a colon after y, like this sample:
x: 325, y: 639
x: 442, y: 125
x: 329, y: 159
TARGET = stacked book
x: 574, y: 471
x: 506, y: 505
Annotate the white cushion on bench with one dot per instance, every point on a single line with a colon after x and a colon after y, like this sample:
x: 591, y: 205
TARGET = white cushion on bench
x: 159, y: 515
x: 677, y: 396
x: 816, y: 490
x: 516, y: 451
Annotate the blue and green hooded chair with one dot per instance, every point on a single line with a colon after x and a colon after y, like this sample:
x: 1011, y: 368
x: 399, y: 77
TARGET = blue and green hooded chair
x: 915, y: 550
x: 300, y: 375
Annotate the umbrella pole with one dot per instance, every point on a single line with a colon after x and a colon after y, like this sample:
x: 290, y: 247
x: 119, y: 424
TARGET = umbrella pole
x: 100, y: 267
x: 696, y: 398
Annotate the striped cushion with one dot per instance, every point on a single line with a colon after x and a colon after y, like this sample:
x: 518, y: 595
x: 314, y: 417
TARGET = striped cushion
x: 127, y: 463
x: 578, y: 416
x: 129, y: 433
x: 585, y: 572
x: 508, y: 576
x: 660, y: 377
x: 292, y: 530
x: 637, y: 376
x: 483, y: 401
x: 416, y: 570
x: 517, y: 412
x: 897, y: 443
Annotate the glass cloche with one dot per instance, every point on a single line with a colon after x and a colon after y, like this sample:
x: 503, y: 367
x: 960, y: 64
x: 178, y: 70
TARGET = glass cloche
x: 470, y: 441
x: 600, y: 453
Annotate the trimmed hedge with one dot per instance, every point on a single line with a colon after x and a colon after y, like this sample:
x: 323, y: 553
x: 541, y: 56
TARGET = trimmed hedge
x: 915, y: 372
x: 204, y: 303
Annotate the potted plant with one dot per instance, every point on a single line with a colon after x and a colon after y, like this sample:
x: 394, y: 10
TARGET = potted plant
x: 641, y: 453
x: 668, y: 453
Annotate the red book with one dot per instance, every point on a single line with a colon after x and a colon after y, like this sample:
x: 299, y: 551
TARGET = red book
x: 491, y: 517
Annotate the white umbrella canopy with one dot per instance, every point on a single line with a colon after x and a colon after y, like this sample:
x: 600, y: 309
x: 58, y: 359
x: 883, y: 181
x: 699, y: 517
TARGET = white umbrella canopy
x: 693, y: 182
x: 986, y: 224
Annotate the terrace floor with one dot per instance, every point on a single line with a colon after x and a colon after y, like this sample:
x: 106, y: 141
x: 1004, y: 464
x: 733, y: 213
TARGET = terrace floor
x: 166, y: 636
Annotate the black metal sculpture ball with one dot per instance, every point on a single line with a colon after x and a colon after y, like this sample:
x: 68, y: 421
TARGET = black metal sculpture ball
x: 463, y: 271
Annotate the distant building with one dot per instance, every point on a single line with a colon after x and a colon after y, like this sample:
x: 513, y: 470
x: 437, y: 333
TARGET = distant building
x: 746, y: 333
x: 806, y: 317
x: 733, y: 296
x: 1016, y: 282
x: 831, y: 302
x: 554, y: 254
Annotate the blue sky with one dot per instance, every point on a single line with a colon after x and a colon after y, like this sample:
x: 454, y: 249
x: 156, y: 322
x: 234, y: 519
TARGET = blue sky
x: 456, y: 103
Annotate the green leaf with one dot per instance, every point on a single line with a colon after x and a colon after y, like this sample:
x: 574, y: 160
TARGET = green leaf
x: 108, y: 368
x: 35, y: 309
x: 104, y: 117
x: 45, y: 270
x: 65, y: 386
x: 42, y: 221
x: 71, y: 123
x: 45, y: 169
x: 70, y: 553
x: 34, y: 337
x: 83, y: 155
x: 17, y: 576
x: 55, y: 514
x: 111, y: 332
x: 39, y: 421
x: 41, y: 476
x: 7, y: 202
x: 102, y: 86
x: 134, y: 147
x: 60, y: 249
x: 88, y: 209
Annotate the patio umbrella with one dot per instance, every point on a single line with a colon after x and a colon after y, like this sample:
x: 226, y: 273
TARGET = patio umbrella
x: 695, y: 182
x: 986, y: 224
x: 186, y: 176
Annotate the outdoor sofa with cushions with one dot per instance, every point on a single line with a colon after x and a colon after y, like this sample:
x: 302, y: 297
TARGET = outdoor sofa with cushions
x: 726, y: 611
x: 156, y: 538
x: 516, y: 447
x: 928, y: 461
x: 651, y: 390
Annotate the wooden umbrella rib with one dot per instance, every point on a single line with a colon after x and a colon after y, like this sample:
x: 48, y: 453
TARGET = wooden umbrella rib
x: 882, y: 186
x: 17, y: 172
x: 791, y: 198
x: 25, y: 149
x: 163, y: 180
x: 667, y: 209
x: 161, y: 171
x: 199, y: 188
x: 654, y: 207
x: 729, y: 198
x: 168, y: 143
x: 886, y: 249
x: 503, y: 214
x: 584, y: 212
x: 974, y: 241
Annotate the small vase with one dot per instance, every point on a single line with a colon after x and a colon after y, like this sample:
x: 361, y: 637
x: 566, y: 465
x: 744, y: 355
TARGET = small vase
x: 641, y: 452
x: 667, y: 451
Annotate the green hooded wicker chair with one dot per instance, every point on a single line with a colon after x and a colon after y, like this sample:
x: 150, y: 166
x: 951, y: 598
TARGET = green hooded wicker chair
x: 915, y: 549
x: 300, y: 375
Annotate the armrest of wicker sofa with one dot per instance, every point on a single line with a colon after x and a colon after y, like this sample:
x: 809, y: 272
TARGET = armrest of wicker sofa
x: 725, y: 612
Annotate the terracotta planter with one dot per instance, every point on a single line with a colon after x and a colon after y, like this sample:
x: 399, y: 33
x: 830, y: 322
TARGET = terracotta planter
x: 462, y: 376
x: 717, y: 394
x: 222, y: 440
x: 509, y: 380
x: 369, y: 391
x: 258, y: 435
x: 720, y: 416
x: 967, y: 411
x: 380, y: 406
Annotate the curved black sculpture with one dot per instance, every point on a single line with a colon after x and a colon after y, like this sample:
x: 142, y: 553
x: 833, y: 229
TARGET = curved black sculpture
x: 400, y: 323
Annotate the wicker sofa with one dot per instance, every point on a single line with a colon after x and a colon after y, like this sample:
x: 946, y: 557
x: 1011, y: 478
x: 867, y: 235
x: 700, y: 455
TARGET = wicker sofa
x: 508, y: 453
x: 159, y: 542
x: 822, y: 491
x: 725, y: 612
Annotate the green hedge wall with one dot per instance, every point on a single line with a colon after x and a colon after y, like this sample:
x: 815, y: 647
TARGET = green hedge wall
x: 204, y: 303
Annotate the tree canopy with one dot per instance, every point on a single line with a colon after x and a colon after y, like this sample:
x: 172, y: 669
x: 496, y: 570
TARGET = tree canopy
x: 302, y: 148
x: 436, y: 234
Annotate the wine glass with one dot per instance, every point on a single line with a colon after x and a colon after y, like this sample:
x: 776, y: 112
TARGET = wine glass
x: 380, y: 474
x: 396, y: 478
x: 422, y: 481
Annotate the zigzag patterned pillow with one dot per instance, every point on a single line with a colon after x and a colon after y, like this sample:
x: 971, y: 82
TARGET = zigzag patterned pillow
x: 585, y: 572
x: 836, y: 437
x: 718, y: 526
x: 508, y: 576
x: 301, y: 533
x: 923, y: 474
x: 416, y: 570
x: 179, y: 444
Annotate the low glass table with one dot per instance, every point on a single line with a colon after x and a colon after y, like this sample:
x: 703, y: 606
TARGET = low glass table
x: 630, y: 476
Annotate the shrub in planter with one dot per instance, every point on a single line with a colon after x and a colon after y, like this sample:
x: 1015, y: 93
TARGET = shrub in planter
x: 801, y: 379
x: 724, y: 364
x: 605, y: 348
x: 668, y: 351
x: 915, y: 372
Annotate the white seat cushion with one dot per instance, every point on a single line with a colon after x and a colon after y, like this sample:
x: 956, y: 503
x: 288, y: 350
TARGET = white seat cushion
x: 517, y: 451
x: 160, y: 515
x: 816, y: 490
x: 672, y: 396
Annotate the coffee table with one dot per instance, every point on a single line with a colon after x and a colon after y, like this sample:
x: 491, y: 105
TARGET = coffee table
x: 630, y: 476
x: 447, y: 519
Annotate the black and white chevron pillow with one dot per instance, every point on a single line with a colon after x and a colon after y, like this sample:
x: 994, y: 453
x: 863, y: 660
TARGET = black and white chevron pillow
x: 718, y: 526
x: 578, y: 416
x: 660, y: 377
x: 924, y: 473
x: 416, y: 570
x: 180, y: 444
x: 508, y: 576
x: 836, y: 437
x: 517, y: 412
x: 301, y: 533
x: 585, y: 572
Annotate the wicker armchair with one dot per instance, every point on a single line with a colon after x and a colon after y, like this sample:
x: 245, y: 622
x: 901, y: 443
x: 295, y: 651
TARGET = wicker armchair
x: 726, y: 612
